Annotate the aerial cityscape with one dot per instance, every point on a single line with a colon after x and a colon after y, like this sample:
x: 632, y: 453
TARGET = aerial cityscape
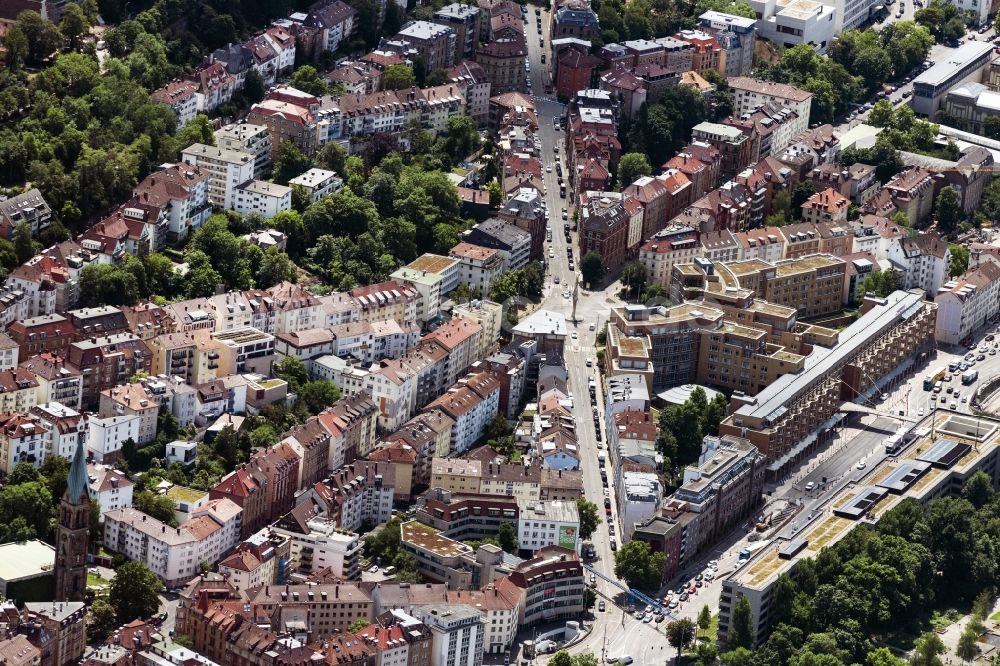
x: 535, y: 333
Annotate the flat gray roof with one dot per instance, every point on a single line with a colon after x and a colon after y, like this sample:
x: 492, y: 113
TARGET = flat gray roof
x: 956, y: 60
x: 865, y: 499
x: 771, y: 402
x: 903, y: 476
x: 944, y: 453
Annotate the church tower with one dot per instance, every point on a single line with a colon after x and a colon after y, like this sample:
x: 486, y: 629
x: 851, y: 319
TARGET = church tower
x: 71, y: 536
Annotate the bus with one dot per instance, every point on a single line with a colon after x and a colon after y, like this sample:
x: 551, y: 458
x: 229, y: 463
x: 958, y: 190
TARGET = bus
x: 932, y: 379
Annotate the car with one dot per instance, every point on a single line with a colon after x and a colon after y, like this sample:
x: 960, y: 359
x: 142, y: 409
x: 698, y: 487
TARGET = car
x: 647, y: 617
x: 548, y: 168
x: 565, y: 215
x: 947, y: 378
x: 981, y: 357
x: 680, y: 590
x: 601, y: 606
x: 575, y: 336
x: 373, y: 568
x: 810, y: 486
x: 989, y: 338
x: 713, y: 564
x: 885, y: 396
x: 567, y: 295
x: 698, y: 577
x: 556, y: 279
x: 698, y: 583
x: 552, y: 253
x: 709, y: 576
x: 684, y: 596
x: 593, y: 326
x: 970, y: 356
x: 949, y: 390
x: 659, y: 617
x: 590, y: 362
x: 993, y: 352
x: 920, y: 412
x: 673, y: 605
x: 571, y: 266
x: 964, y: 400
x: 862, y: 463
x: 389, y: 571
x: 953, y: 405
x: 614, y: 545
x: 963, y: 366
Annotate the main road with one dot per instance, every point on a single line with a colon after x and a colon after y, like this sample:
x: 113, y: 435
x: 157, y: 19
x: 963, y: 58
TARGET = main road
x: 614, y: 632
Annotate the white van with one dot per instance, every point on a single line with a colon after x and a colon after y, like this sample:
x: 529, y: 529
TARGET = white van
x: 810, y: 486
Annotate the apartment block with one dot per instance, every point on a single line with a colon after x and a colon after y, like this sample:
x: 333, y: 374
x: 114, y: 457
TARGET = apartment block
x: 227, y: 169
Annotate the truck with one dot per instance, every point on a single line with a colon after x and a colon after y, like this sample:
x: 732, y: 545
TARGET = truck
x: 969, y: 376
x: 933, y: 378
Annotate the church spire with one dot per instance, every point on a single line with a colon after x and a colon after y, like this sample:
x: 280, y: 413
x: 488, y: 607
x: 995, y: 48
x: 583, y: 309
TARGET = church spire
x: 77, y: 482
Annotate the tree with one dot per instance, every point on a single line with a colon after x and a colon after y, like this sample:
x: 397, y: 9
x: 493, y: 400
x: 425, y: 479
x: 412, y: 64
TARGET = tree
x: 968, y: 643
x: 463, y: 138
x: 24, y: 247
x: 705, y: 618
x: 16, y: 44
x: 631, y: 166
x: 107, y: 284
x: 637, y: 565
x: 589, y: 517
x: 292, y: 370
x: 134, y: 592
x: 43, y: 37
x: 332, y: 156
x: 926, y: 650
x: 160, y: 507
x: 100, y: 620
x: 253, y: 87
x: 881, y: 114
x: 991, y: 125
x: 398, y: 77
x: 290, y: 163
x: 561, y: 658
x: 592, y: 268
x: 741, y: 633
x: 634, y: 277
x: 73, y: 24
x: 681, y: 633
x: 883, y: 656
x: 496, y: 193
x: 497, y: 428
x: 948, y: 210
x: 978, y: 489
x: 23, y: 472
x: 318, y: 395
x: 358, y: 625
x: 882, y: 283
x: 274, y: 267
x: 307, y: 79
x: 959, y: 260
x: 507, y: 537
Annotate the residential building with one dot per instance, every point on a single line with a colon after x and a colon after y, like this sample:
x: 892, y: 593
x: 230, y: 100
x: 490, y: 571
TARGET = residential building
x: 57, y: 629
x: 465, y: 21
x: 181, y: 95
x: 105, y: 436
x: 248, y: 138
x: 435, y: 45
x: 288, y: 115
x: 551, y: 584
x: 262, y: 197
x: 172, y: 553
x: 26, y: 208
x: 335, y: 20
x: 826, y: 206
x: 967, y: 302
x: 674, y: 245
x: 542, y: 524
x: 109, y: 487
x: 458, y: 634
x: 604, y: 227
x: 67, y: 428
x: 575, y: 19
x: 317, y: 544
x: 912, y: 192
x: 227, y: 169
x: 924, y: 260
x: 750, y: 94
x: 737, y: 35
x: 318, y: 182
x: 510, y: 241
x: 472, y: 403
x: 479, y: 267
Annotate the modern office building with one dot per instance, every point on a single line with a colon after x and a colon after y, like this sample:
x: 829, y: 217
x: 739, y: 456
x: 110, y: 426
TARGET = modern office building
x: 963, y: 65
